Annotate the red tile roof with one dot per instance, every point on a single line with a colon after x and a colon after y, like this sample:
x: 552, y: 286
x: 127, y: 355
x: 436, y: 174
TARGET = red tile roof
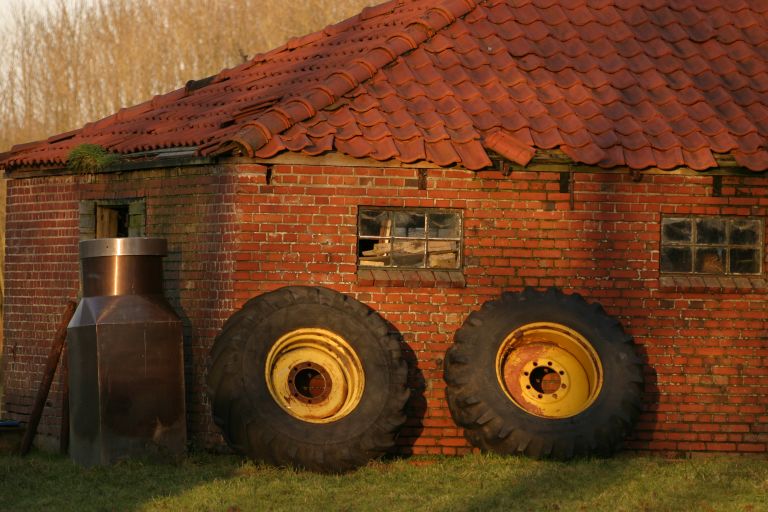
x: 638, y: 83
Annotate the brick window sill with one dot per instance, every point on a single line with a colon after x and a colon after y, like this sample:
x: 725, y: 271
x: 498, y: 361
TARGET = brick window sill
x: 723, y: 284
x: 422, y: 278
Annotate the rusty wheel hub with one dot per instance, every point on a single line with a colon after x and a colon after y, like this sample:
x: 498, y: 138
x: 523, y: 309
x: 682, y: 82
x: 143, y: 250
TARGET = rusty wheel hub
x: 549, y: 370
x: 314, y: 375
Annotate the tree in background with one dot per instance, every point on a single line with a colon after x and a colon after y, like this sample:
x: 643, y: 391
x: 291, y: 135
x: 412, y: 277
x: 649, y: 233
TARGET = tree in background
x: 82, y: 60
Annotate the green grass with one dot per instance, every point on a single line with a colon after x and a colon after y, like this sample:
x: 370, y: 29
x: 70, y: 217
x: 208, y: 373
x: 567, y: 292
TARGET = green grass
x: 478, y: 482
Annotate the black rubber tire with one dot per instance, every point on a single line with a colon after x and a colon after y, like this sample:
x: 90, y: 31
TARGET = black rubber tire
x: 255, y: 425
x: 493, y: 422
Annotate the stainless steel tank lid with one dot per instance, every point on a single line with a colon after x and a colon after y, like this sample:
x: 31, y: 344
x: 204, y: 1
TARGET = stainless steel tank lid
x: 132, y: 246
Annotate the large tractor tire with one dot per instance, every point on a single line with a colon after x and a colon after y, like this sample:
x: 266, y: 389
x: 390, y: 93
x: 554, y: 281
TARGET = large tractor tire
x: 545, y: 375
x: 309, y: 378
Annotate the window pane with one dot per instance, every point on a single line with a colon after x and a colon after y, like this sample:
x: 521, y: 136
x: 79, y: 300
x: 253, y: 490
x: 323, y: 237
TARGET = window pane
x: 745, y: 261
x: 744, y: 232
x: 710, y: 261
x: 444, y: 225
x: 374, y: 223
x: 712, y: 245
x: 409, y: 225
x: 373, y: 253
x: 400, y: 238
x: 676, y: 230
x: 710, y: 231
x: 443, y: 254
x: 408, y: 253
x: 676, y: 259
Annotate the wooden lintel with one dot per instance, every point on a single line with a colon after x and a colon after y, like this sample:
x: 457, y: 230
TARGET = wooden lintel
x: 545, y: 161
x: 330, y: 159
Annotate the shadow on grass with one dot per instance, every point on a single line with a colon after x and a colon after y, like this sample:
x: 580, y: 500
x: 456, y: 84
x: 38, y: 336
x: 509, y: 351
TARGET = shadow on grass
x: 622, y: 484
x: 445, y: 484
x: 53, y: 482
x: 485, y: 483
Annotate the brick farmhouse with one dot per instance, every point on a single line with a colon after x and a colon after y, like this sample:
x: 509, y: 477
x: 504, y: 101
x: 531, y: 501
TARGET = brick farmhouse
x: 614, y: 149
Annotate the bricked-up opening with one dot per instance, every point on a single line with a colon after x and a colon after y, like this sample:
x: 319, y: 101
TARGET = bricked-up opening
x: 413, y: 238
x: 112, y: 218
x: 711, y: 245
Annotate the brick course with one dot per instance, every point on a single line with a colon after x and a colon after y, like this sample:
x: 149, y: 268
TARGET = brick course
x: 237, y: 230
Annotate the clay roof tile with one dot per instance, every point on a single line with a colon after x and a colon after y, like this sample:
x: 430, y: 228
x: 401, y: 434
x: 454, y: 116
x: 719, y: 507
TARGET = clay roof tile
x: 722, y: 142
x: 580, y: 15
x: 609, y: 82
x: 590, y: 154
x: 754, y: 161
x: 472, y: 155
x: 613, y: 157
x: 548, y: 139
x: 507, y: 145
x: 587, y: 110
x: 442, y: 152
x: 384, y: 149
x: 699, y: 159
x: 663, y: 140
x: 606, y: 139
x: 486, y: 120
x: 640, y: 158
x: 410, y: 150
x: 668, y: 158
x: 405, y: 132
x: 577, y: 139
x: 514, y: 121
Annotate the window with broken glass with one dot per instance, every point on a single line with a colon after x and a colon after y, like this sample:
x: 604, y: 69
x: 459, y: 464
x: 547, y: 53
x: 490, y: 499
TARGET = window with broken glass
x: 409, y: 238
x: 711, y: 245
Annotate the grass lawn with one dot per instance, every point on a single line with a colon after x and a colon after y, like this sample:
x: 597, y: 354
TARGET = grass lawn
x: 477, y: 482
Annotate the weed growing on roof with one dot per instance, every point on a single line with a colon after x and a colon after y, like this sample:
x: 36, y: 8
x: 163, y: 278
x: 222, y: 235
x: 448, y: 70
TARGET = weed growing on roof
x: 87, y: 158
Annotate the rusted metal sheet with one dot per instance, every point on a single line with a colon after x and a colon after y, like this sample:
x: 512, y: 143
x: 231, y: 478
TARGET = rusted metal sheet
x: 125, y: 356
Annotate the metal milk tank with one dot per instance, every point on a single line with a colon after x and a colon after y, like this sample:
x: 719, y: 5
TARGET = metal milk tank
x: 126, y: 362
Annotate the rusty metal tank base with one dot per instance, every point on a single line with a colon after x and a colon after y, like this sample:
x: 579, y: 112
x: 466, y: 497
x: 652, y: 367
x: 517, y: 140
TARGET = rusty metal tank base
x: 126, y: 363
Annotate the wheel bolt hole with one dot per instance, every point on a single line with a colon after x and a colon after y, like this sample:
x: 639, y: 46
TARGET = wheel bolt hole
x: 561, y: 372
x: 562, y: 386
x: 527, y: 387
x: 549, y: 363
x: 540, y: 396
x: 526, y: 373
x: 554, y: 395
x: 545, y: 380
x: 535, y: 363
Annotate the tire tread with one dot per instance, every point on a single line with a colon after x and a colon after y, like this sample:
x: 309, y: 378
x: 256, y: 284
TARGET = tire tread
x: 495, y: 424
x: 246, y: 431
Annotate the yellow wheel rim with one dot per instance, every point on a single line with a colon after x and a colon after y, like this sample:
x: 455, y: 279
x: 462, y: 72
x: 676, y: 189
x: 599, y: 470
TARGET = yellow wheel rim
x: 314, y: 375
x: 549, y: 370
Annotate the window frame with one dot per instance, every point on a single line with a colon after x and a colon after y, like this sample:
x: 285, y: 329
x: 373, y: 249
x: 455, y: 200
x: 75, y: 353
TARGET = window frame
x: 89, y: 216
x: 393, y: 237
x: 694, y: 245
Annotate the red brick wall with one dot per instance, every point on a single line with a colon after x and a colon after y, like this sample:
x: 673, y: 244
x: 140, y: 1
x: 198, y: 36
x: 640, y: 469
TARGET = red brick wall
x: 232, y: 236
x: 193, y: 208
x: 40, y: 275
